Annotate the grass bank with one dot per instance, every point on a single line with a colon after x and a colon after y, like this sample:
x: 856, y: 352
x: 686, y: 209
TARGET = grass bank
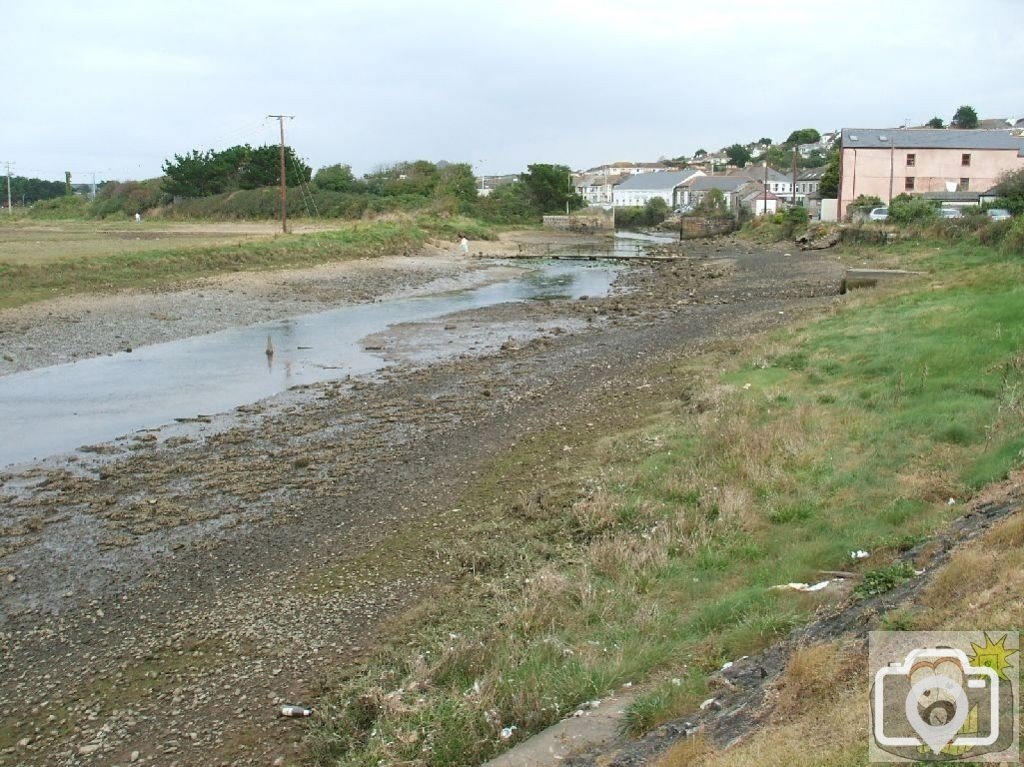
x: 48, y: 260
x: 649, y: 555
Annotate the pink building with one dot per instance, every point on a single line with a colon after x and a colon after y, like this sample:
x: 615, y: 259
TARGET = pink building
x: 885, y: 163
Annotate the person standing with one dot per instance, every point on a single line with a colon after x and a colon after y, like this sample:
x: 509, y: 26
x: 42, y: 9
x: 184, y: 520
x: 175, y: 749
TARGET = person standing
x: 463, y: 245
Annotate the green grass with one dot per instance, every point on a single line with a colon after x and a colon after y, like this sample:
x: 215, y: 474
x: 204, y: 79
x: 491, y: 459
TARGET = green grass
x: 106, y: 258
x: 655, y: 552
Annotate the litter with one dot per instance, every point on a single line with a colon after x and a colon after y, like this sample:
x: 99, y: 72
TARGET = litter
x: 951, y: 502
x: 859, y: 554
x: 506, y: 732
x: 295, y: 711
x: 804, y: 586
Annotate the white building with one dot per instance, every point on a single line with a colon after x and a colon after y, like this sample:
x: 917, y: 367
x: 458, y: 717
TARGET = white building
x: 638, y: 190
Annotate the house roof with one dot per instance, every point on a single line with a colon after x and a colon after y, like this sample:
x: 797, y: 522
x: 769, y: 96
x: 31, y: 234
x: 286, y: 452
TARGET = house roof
x: 931, y: 138
x: 664, y: 180
x: 756, y: 173
x: 725, y: 183
x: 971, y: 197
x: 811, y: 174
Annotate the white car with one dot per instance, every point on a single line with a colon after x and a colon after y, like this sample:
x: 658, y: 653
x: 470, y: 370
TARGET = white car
x: 950, y: 213
x: 998, y: 214
x: 879, y: 214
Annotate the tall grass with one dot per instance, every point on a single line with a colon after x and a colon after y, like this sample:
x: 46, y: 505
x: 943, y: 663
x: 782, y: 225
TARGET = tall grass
x: 766, y: 465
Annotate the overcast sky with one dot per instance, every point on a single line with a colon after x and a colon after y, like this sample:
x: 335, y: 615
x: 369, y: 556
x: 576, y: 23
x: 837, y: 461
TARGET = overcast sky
x: 115, y: 88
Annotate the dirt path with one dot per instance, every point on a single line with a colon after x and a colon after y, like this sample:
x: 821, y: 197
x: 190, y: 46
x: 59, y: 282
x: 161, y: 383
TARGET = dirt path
x: 159, y: 601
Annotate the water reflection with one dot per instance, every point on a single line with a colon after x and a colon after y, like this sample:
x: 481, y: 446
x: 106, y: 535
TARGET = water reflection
x: 57, y: 409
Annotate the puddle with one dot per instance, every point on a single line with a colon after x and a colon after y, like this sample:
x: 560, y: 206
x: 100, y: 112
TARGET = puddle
x: 55, y: 410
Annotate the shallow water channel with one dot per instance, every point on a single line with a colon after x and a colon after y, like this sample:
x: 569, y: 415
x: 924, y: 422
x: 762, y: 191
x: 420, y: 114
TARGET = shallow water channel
x: 54, y: 410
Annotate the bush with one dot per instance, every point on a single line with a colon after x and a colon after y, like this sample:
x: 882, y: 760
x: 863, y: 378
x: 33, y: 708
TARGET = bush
x: 905, y: 209
x: 864, y: 204
x: 1013, y: 241
x: 128, y: 198
x: 71, y: 206
x: 651, y: 214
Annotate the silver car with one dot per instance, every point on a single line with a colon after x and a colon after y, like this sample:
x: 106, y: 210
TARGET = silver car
x: 879, y: 214
x: 998, y: 214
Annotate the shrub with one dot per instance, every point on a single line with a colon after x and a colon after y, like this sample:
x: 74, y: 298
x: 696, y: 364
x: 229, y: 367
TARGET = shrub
x: 59, y: 207
x: 1013, y: 241
x: 905, y: 209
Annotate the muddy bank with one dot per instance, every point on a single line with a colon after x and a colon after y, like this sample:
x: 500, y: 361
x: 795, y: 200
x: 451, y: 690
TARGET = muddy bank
x: 165, y: 595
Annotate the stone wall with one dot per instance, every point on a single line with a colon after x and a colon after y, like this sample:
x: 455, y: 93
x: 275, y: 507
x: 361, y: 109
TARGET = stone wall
x: 585, y: 222
x: 692, y: 227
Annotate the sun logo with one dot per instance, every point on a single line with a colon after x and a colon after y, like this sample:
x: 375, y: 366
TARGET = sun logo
x: 994, y: 655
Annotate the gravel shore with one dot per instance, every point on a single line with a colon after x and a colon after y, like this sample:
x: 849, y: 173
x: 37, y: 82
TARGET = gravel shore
x: 160, y: 599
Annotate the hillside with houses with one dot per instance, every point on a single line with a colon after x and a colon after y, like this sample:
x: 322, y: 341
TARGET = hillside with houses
x: 951, y: 166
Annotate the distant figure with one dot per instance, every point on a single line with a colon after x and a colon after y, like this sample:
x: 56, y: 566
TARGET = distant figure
x: 463, y: 245
x: 138, y: 218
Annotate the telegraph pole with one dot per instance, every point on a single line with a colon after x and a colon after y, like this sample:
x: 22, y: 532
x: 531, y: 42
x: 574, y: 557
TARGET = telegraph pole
x: 284, y: 189
x: 10, y: 210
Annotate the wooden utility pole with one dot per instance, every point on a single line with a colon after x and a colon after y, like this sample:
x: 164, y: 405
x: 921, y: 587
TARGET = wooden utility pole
x: 10, y: 210
x: 794, y: 175
x: 284, y: 188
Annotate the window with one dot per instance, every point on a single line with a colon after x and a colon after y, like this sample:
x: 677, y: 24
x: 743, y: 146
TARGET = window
x: 964, y: 185
x: 909, y: 184
x: 911, y: 160
x: 965, y: 160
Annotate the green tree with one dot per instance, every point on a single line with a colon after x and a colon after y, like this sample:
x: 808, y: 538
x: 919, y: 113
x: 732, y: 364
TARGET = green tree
x: 828, y: 188
x: 195, y: 174
x: 965, y: 117
x: 551, y: 187
x: 655, y: 211
x: 764, y: 141
x: 336, y: 178
x: 1010, y: 188
x: 713, y: 203
x: 803, y: 136
x: 509, y: 204
x: 456, y: 180
x: 262, y: 167
x: 700, y: 153
x: 907, y: 209
x: 738, y: 155
x: 815, y: 159
x: 935, y: 122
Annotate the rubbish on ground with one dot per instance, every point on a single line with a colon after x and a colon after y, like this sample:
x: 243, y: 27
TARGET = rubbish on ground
x: 295, y: 711
x: 711, y: 703
x: 859, y: 554
x: 951, y: 502
x: 726, y: 665
x: 506, y: 732
x: 803, y: 586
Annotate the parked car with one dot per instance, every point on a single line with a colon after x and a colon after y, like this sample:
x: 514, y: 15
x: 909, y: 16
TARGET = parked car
x: 879, y: 214
x: 998, y: 214
x: 950, y: 213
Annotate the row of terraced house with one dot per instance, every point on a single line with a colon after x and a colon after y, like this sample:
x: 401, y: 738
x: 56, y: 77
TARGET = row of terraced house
x: 955, y: 167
